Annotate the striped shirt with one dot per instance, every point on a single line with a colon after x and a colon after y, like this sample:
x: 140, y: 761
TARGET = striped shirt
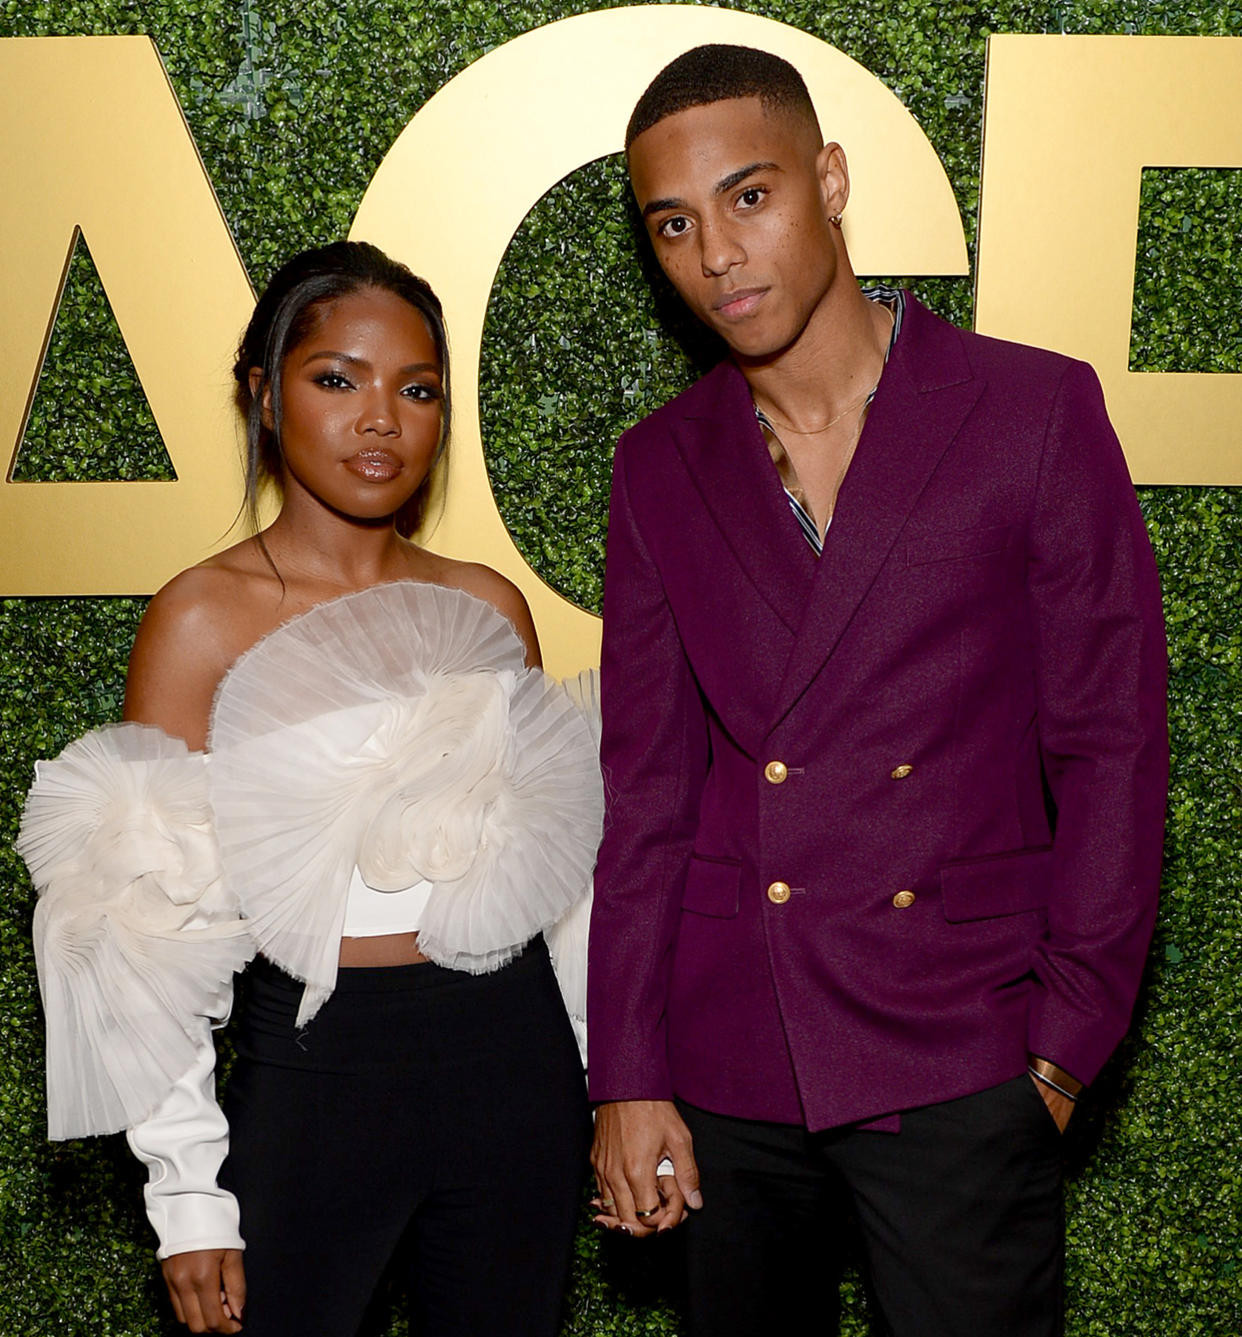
x: 895, y: 300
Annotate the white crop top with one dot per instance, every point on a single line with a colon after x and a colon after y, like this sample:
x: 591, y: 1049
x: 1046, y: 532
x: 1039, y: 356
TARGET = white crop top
x: 370, y: 913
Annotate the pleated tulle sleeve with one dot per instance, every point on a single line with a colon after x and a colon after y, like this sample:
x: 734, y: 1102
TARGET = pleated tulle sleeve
x: 398, y: 730
x: 135, y: 932
x: 567, y: 938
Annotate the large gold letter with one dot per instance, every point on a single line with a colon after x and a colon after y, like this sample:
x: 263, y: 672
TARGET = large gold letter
x: 94, y: 139
x: 1071, y: 122
x: 457, y: 183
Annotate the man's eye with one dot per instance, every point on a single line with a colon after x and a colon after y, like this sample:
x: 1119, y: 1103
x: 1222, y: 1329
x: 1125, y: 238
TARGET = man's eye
x: 674, y: 227
x: 751, y: 196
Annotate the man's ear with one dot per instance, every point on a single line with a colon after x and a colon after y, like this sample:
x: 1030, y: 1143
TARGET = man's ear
x: 256, y: 380
x: 834, y: 178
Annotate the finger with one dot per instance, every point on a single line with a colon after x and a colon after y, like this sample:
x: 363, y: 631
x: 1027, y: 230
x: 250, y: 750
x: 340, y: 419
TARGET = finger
x: 178, y: 1307
x: 233, y: 1278
x: 617, y: 1226
x: 674, y: 1212
x: 637, y: 1191
x: 671, y: 1215
x: 194, y: 1319
x: 615, y: 1190
x: 686, y: 1171
x: 208, y: 1295
x: 622, y: 1214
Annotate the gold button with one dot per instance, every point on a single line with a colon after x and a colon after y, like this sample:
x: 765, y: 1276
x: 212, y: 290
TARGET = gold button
x: 776, y: 772
x: 900, y: 772
x: 778, y: 893
x: 903, y: 899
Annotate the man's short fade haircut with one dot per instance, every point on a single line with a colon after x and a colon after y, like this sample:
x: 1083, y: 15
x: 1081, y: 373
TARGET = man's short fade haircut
x: 714, y: 73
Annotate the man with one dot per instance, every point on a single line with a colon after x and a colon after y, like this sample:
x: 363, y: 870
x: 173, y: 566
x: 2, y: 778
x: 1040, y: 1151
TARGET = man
x: 882, y: 853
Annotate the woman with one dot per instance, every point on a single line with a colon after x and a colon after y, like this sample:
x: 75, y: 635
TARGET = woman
x: 402, y: 803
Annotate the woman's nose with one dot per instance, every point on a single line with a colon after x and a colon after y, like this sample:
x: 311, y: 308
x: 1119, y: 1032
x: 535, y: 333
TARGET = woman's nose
x: 379, y: 415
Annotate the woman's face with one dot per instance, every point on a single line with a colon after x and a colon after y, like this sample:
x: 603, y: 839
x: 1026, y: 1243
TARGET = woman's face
x: 361, y: 398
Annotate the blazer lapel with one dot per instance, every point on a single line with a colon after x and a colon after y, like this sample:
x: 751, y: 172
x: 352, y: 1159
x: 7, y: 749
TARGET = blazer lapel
x: 925, y: 394
x: 727, y: 457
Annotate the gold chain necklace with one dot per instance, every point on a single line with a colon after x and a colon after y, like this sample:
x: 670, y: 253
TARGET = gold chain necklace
x: 832, y: 422
x: 849, y: 408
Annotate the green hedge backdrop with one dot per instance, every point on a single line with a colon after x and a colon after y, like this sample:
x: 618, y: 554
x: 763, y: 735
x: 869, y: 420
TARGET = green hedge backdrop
x: 293, y: 105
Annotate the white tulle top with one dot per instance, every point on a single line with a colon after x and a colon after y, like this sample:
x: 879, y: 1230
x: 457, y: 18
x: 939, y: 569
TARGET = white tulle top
x: 394, y: 734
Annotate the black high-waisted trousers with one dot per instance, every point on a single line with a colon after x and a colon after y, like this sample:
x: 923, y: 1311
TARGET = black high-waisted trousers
x: 425, y: 1118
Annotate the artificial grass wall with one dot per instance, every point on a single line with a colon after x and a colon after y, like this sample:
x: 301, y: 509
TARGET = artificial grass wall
x: 293, y: 105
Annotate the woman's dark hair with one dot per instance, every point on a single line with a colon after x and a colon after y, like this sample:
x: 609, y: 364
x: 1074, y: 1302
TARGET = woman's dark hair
x: 286, y: 314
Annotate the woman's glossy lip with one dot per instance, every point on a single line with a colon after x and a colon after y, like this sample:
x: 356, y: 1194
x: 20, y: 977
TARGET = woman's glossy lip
x: 376, y: 466
x: 740, y: 302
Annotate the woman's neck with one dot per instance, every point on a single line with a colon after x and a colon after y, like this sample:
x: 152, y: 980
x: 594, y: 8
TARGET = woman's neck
x: 317, y: 547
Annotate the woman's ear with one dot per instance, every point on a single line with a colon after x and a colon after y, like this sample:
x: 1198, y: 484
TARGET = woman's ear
x: 257, y: 381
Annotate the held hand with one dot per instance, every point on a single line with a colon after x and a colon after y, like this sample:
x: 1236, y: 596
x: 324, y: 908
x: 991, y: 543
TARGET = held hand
x: 207, y: 1288
x: 631, y: 1138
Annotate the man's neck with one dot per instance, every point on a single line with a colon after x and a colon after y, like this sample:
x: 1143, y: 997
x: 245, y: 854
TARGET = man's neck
x: 836, y: 360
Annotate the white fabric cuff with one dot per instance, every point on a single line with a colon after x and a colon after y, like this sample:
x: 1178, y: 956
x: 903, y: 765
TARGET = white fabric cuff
x: 183, y: 1144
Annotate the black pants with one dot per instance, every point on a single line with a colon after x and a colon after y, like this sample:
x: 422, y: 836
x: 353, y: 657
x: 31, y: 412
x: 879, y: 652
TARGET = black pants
x: 425, y: 1118
x: 959, y: 1217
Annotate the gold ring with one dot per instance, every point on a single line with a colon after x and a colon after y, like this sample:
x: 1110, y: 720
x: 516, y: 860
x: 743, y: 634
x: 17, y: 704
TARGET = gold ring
x: 651, y: 1211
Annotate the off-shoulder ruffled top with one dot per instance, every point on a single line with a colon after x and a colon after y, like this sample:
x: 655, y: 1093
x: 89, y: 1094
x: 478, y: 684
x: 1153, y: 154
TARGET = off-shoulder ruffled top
x: 396, y: 730
x: 400, y: 731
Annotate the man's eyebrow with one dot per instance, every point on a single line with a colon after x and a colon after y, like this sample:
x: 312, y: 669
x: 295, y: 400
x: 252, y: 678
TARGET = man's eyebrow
x: 722, y: 187
x: 659, y: 206
x: 726, y: 183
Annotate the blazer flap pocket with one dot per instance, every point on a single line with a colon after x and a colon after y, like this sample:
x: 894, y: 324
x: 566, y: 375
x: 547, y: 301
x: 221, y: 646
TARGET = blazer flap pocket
x: 948, y: 545
x: 712, y: 887
x: 1001, y: 884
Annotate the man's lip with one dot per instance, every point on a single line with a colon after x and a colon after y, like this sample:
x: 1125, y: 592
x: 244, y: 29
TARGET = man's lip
x: 378, y: 466
x: 739, y: 302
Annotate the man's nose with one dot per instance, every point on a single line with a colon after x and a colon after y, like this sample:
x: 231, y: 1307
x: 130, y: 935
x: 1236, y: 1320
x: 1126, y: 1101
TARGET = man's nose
x: 719, y: 249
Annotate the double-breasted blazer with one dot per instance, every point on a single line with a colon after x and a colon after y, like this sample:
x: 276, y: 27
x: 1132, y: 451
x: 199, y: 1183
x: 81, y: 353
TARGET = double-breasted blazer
x: 879, y: 823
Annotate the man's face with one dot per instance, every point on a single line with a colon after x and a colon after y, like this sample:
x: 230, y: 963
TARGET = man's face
x: 736, y: 201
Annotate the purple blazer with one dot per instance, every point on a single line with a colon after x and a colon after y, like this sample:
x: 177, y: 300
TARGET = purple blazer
x: 957, y: 859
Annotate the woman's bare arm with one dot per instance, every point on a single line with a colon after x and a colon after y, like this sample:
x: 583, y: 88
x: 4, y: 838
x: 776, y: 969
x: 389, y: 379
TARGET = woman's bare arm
x: 186, y: 641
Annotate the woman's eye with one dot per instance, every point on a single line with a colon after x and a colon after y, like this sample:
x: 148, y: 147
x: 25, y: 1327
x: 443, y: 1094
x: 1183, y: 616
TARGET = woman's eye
x: 421, y: 392
x: 332, y: 380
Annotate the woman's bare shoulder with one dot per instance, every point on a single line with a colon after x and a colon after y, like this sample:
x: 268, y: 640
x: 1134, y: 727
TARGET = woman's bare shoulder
x: 194, y: 628
x: 210, y: 609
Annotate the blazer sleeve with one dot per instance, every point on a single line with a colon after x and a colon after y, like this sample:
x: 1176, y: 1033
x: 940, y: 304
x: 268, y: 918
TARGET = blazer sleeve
x: 654, y: 754
x: 1100, y: 663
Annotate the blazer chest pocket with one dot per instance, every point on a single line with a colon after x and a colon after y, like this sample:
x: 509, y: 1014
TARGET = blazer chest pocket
x: 712, y: 887
x: 1001, y: 884
x: 953, y: 545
